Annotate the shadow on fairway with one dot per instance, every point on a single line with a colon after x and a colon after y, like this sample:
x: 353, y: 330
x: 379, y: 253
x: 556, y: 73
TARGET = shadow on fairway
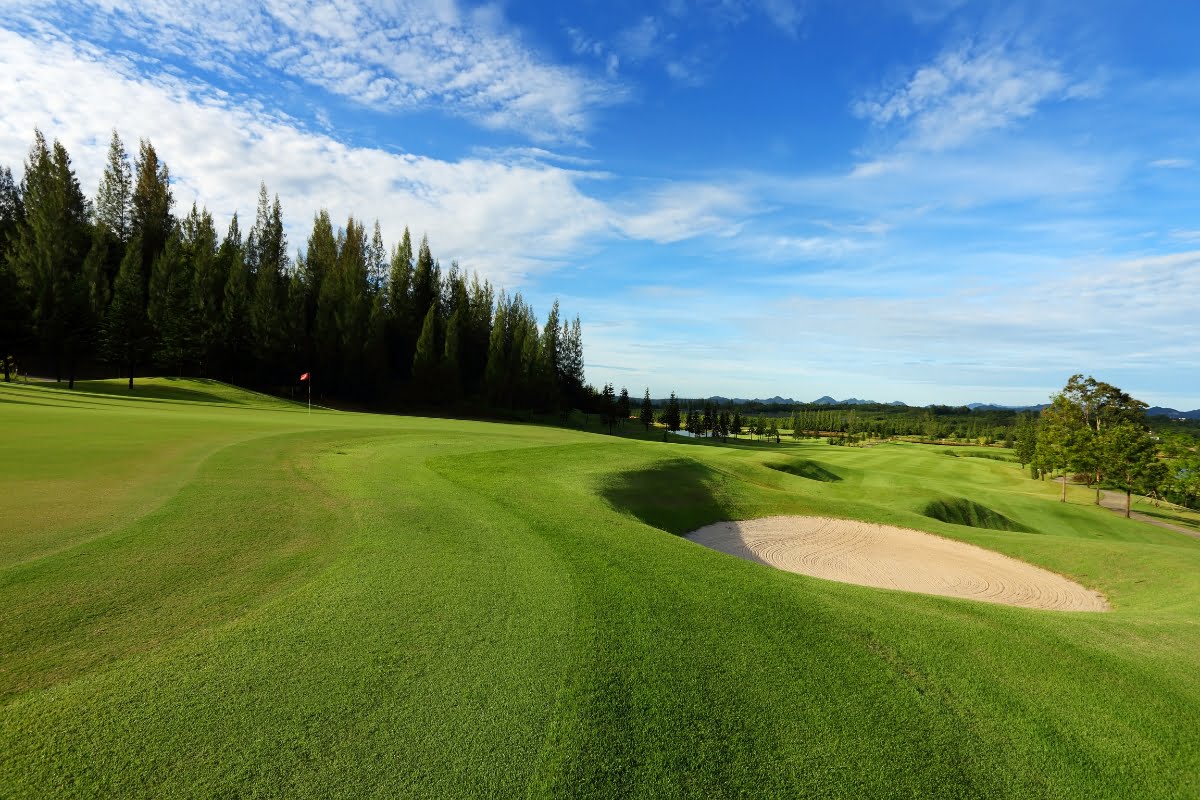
x: 161, y: 389
x: 802, y: 468
x: 961, y: 511
x: 676, y: 496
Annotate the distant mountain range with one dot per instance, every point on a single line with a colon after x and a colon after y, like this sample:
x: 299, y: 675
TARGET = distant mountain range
x: 1159, y: 411
x: 826, y: 400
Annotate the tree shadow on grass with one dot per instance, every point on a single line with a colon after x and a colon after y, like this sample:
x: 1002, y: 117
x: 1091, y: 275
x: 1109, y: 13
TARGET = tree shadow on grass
x: 677, y: 496
x: 161, y: 389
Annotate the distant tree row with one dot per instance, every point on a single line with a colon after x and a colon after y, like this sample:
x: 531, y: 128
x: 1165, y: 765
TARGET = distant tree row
x: 872, y: 420
x: 124, y: 281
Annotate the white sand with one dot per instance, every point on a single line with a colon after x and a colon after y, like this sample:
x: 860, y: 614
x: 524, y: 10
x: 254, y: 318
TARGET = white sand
x: 896, y: 558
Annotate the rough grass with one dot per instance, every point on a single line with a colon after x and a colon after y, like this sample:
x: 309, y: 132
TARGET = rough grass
x: 269, y: 603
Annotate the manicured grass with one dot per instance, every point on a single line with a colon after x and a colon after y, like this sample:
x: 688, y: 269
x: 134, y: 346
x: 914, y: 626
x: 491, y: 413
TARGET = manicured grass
x: 225, y: 597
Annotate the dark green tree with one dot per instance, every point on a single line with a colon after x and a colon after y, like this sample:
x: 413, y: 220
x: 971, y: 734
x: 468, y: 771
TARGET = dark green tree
x: 169, y: 309
x: 14, y: 311
x: 496, y: 378
x: 426, y: 283
x: 200, y: 253
x: 402, y: 319
x: 47, y: 253
x: 623, y: 406
x: 1025, y: 447
x: 671, y: 416
x: 151, y: 221
x: 1129, y: 458
x: 608, y: 407
x: 646, y: 415
x: 550, y: 380
x: 115, y: 196
x: 112, y: 227
x: 235, y: 309
x: 126, y: 333
x: 267, y: 259
x: 571, y: 361
x: 425, y: 370
x: 451, y: 369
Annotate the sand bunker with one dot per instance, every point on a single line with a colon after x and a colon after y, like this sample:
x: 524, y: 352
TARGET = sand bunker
x: 896, y: 558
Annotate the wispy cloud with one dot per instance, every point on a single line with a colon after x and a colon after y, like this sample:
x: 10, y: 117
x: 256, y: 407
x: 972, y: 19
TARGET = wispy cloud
x: 684, y: 210
x: 404, y: 55
x: 953, y: 341
x: 509, y: 217
x: 966, y: 91
x: 510, y: 213
x: 1173, y: 163
x: 641, y: 40
x: 785, y: 15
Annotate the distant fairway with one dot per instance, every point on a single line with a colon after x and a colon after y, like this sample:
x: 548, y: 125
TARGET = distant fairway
x: 207, y: 592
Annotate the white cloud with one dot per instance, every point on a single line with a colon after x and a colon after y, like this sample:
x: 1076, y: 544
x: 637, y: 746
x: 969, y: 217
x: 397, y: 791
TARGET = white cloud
x: 965, y: 92
x: 1173, y: 163
x: 684, y: 211
x: 402, y: 55
x: 508, y: 218
x: 508, y: 213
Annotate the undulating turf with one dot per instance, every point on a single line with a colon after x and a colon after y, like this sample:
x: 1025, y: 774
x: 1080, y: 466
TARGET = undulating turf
x: 205, y: 592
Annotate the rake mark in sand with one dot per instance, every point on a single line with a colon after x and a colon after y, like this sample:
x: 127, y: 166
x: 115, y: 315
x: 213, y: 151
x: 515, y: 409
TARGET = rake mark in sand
x: 888, y: 557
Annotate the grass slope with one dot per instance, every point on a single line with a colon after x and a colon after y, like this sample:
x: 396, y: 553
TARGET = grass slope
x: 229, y: 598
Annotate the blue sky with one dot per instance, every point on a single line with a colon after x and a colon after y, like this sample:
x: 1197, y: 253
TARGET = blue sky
x: 929, y: 201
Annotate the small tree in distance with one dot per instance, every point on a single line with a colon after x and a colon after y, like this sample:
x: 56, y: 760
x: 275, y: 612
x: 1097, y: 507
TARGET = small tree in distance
x: 608, y: 407
x: 671, y: 416
x: 647, y: 413
x: 623, y: 406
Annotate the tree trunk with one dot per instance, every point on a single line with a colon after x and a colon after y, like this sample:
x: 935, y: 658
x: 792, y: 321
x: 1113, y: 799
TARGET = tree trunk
x: 131, y: 376
x: 71, y: 374
x: 1063, y: 499
x: 1128, y: 501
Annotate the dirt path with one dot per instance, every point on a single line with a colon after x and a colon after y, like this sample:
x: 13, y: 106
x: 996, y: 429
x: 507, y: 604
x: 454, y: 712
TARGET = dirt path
x: 896, y: 558
x: 1115, y: 501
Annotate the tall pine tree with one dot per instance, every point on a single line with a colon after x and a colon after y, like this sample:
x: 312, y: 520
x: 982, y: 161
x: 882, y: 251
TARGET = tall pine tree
x: 48, y: 251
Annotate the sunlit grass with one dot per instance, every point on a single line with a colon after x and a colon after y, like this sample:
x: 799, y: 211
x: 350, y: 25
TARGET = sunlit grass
x: 224, y: 597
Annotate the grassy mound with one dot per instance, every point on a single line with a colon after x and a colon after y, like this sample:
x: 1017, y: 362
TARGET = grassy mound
x: 961, y: 511
x: 804, y: 468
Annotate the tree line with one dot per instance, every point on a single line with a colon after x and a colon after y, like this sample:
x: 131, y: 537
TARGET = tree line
x: 121, y: 280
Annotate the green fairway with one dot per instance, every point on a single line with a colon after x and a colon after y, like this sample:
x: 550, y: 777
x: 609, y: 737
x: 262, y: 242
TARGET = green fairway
x: 206, y: 592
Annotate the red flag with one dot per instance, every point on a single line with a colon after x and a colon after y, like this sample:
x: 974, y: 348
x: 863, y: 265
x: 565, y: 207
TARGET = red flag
x: 304, y: 377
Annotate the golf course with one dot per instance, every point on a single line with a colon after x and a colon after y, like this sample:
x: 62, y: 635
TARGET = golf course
x: 207, y: 592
